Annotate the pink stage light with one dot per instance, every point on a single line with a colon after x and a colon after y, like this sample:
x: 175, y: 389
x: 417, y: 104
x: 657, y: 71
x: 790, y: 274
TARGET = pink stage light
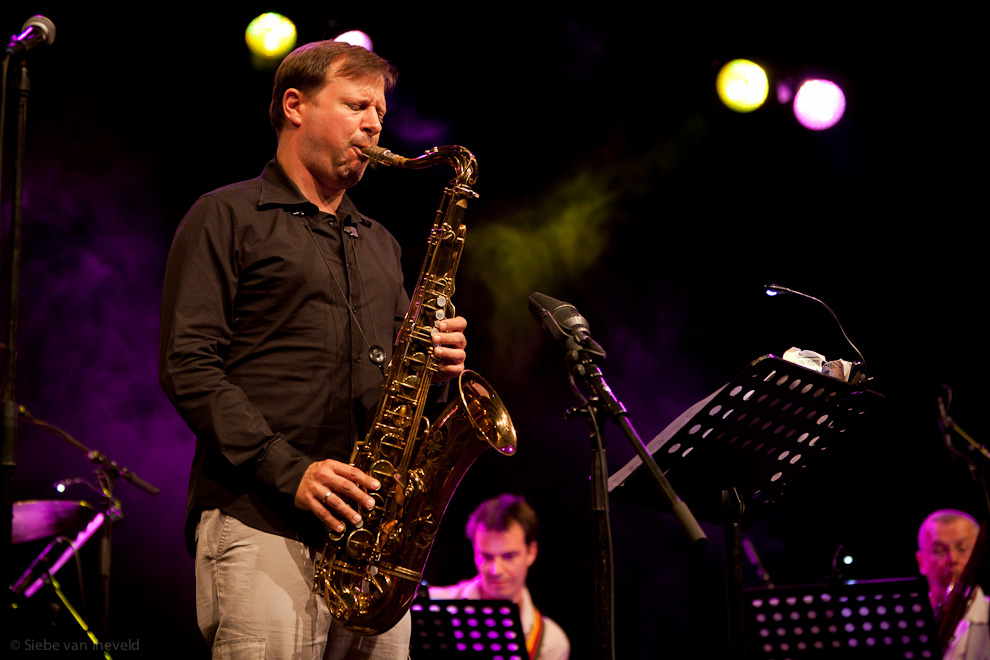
x: 356, y: 38
x: 819, y: 104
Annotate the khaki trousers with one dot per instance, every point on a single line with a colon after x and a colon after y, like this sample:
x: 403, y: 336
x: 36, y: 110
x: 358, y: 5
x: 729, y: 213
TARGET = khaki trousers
x: 254, y: 599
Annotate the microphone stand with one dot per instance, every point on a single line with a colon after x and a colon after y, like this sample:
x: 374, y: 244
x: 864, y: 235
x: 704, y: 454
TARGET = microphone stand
x: 604, y: 405
x: 976, y: 454
x: 577, y: 360
x: 106, y: 472
x: 8, y: 405
x: 8, y: 430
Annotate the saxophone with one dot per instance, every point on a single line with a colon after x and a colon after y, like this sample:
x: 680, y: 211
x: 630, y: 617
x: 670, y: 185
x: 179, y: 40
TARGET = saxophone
x: 370, y: 575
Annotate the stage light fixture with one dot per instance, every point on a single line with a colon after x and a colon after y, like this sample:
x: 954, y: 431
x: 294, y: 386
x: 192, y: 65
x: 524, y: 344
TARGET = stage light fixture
x: 742, y: 85
x: 270, y: 36
x: 819, y: 104
x: 355, y: 38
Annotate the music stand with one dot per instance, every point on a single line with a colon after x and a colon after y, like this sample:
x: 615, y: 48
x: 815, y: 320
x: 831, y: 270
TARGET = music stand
x: 882, y: 619
x: 732, y: 455
x: 467, y: 629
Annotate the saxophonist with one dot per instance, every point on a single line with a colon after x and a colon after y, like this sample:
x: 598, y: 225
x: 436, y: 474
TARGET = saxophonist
x: 280, y: 305
x: 946, y: 540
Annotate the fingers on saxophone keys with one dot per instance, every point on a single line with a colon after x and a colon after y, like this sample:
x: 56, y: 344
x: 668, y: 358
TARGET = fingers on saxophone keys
x: 329, y: 504
x: 350, y: 480
x: 333, y: 504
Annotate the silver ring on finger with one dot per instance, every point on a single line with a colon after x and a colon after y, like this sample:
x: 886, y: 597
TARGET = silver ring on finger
x: 325, y: 497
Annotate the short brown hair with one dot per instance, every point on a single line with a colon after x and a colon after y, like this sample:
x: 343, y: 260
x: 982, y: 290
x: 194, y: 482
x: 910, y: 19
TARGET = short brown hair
x: 308, y: 69
x: 498, y: 514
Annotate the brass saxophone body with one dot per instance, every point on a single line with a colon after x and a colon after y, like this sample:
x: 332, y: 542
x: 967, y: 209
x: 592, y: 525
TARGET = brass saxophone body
x: 370, y: 575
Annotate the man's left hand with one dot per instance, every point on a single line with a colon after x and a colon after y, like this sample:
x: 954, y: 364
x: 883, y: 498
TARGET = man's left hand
x: 449, y: 344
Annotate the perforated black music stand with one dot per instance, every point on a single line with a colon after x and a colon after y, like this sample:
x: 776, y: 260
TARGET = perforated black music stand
x: 756, y: 434
x: 732, y: 455
x: 871, y: 619
x: 475, y: 629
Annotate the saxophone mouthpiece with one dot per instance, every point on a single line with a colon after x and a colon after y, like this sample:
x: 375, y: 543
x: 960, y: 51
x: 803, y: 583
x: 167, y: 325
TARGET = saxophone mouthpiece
x: 381, y: 156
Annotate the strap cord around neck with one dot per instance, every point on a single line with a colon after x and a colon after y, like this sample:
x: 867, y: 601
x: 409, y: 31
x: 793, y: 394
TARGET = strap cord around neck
x: 375, y: 352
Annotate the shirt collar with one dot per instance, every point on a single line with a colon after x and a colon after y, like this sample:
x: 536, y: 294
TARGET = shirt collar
x: 277, y: 189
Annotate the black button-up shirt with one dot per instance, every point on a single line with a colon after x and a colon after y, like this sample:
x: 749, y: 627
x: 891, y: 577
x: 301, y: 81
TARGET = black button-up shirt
x: 259, y: 352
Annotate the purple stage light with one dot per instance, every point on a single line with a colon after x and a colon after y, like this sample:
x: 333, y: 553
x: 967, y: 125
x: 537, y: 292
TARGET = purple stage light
x: 819, y: 104
x: 356, y: 38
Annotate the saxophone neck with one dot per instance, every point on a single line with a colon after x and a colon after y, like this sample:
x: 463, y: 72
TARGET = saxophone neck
x: 463, y: 161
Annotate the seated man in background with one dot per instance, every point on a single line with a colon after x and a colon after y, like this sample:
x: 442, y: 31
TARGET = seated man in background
x: 502, y: 532
x: 945, y: 544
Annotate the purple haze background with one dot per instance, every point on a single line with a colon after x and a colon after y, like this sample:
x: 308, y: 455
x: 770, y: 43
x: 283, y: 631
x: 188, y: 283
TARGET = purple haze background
x: 651, y: 245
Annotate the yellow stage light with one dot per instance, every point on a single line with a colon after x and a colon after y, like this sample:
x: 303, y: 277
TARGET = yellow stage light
x: 742, y: 85
x: 270, y: 36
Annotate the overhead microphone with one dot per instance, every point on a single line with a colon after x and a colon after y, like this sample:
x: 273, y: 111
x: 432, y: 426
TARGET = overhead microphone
x: 37, y: 30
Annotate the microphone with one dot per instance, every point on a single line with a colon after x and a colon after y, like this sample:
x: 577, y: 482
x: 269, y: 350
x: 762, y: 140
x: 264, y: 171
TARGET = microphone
x: 351, y: 227
x: 775, y: 290
x: 945, y: 423
x: 36, y: 31
x: 561, y: 320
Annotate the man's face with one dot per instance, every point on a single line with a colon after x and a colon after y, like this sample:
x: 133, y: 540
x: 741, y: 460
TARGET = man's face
x: 336, y: 123
x: 945, y: 550
x: 503, y: 559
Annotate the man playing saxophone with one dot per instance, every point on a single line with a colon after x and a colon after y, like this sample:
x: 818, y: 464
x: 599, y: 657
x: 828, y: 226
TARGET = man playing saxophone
x: 280, y: 305
x: 946, y: 540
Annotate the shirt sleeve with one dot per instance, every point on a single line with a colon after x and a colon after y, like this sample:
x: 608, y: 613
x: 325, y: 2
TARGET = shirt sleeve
x: 197, y: 316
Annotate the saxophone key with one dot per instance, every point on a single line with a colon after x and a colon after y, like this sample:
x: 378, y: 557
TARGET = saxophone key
x: 401, y: 417
x: 377, y: 580
x: 361, y: 544
x: 375, y: 513
x: 383, y: 471
x: 393, y: 537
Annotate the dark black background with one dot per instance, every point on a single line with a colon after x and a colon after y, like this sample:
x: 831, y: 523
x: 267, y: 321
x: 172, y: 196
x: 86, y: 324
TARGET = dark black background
x: 610, y: 177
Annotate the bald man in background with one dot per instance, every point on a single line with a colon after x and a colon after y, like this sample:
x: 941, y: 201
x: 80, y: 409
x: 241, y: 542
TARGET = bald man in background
x: 945, y: 545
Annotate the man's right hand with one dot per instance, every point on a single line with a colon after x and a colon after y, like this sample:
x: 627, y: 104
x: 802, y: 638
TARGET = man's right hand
x: 323, y: 490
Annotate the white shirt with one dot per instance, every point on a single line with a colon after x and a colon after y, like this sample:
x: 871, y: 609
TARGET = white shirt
x: 971, y: 640
x: 554, y: 645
